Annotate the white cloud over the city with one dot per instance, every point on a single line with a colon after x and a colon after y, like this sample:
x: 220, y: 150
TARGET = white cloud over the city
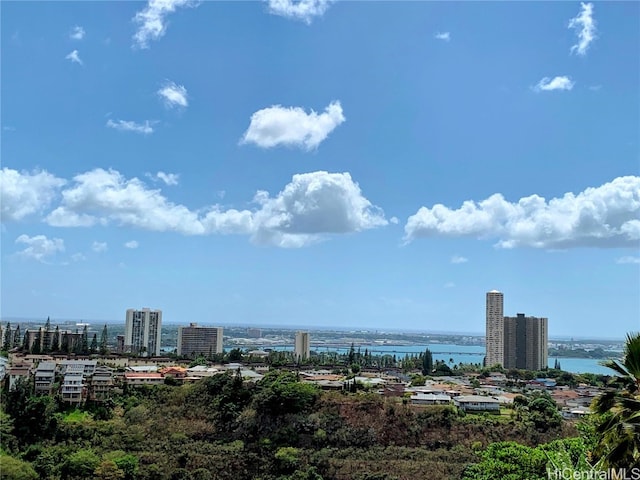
x: 445, y: 36
x: 173, y: 95
x: 310, y: 207
x: 604, y: 216
x: 74, y: 57
x: 152, y: 21
x: 39, y: 247
x: 78, y: 257
x: 77, y: 33
x: 99, y: 247
x: 548, y: 84
x: 459, y: 259
x: 25, y: 193
x: 130, y: 126
x: 168, y: 178
x: 131, y: 244
x: 585, y: 26
x: 292, y: 126
x: 628, y: 260
x: 304, y: 10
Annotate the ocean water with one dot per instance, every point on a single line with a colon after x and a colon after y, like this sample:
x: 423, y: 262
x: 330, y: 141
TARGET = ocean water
x: 454, y: 354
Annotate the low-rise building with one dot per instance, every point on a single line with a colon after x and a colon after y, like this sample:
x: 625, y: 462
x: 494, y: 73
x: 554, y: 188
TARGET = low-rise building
x: 135, y: 379
x: 430, y: 399
x: 477, y: 403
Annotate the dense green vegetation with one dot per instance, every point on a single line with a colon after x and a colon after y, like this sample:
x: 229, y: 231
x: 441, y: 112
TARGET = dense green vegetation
x: 278, y: 428
x: 282, y: 429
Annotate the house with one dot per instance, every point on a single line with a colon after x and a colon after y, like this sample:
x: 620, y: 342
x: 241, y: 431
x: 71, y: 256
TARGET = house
x: 135, y: 379
x: 175, y: 372
x: 419, y: 398
x: 201, y: 371
x: 44, y: 378
x: 100, y: 384
x: 477, y: 403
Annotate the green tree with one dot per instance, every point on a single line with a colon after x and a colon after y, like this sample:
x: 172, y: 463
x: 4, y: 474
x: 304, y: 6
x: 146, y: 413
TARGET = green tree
x: 14, y: 469
x: 619, y: 433
x: 235, y: 355
x: 36, y: 347
x: 427, y: 362
x: 108, y: 470
x: 352, y: 354
x: 6, y: 341
x: 93, y: 348
x: 81, y: 464
x: 16, y: 338
x: 103, y: 341
x: 84, y: 348
x: 55, y: 342
x: 508, y: 461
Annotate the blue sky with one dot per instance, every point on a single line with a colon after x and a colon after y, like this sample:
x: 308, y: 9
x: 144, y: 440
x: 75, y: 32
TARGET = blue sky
x: 367, y: 164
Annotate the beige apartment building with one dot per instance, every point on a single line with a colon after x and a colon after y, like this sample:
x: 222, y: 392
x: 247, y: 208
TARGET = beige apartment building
x: 195, y: 340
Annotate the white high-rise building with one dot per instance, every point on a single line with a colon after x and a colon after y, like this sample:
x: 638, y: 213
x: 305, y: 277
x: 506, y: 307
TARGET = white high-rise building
x: 302, y: 346
x: 143, y: 332
x: 495, y: 328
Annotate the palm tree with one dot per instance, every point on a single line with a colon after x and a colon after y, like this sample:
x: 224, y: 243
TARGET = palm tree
x: 619, y: 432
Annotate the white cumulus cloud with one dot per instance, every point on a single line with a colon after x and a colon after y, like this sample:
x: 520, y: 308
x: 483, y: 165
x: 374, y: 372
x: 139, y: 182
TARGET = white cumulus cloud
x: 445, y: 36
x: 77, y: 33
x: 604, y: 216
x: 173, y: 95
x: 39, y: 247
x: 168, y: 178
x: 628, y: 260
x: 74, y: 57
x: 459, y: 259
x: 131, y: 244
x: 99, y: 247
x: 304, y: 10
x: 130, y: 126
x: 281, y: 126
x: 548, y: 84
x: 585, y: 26
x: 24, y: 193
x: 152, y: 22
x: 312, y: 206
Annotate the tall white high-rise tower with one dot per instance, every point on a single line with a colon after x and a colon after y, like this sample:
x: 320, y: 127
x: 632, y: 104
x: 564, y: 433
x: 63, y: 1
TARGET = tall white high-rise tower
x: 495, y: 328
x: 143, y: 332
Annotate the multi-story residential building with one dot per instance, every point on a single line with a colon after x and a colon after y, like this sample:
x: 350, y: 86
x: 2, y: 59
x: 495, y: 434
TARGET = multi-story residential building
x: 18, y: 372
x: 44, y: 378
x: 100, y: 384
x: 195, y: 340
x: 72, y: 390
x: 494, y: 328
x: 143, y: 332
x: 525, y: 342
x: 86, y: 367
x: 302, y: 346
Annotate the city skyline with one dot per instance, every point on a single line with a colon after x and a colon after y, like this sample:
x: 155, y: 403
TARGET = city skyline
x: 379, y: 174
